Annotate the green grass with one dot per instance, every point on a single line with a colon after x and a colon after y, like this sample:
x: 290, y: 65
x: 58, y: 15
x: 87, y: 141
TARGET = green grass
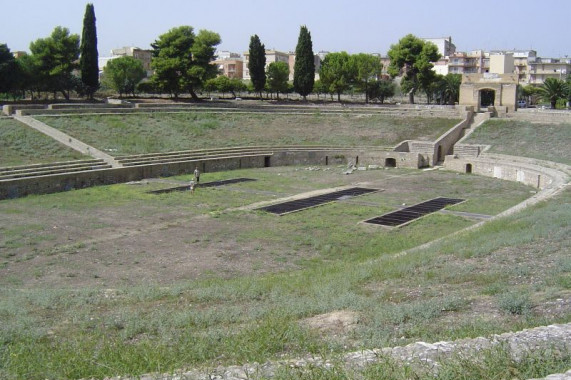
x: 491, y: 363
x: 22, y: 145
x: 457, y: 288
x: 519, y: 138
x: 64, y: 317
x: 162, y: 132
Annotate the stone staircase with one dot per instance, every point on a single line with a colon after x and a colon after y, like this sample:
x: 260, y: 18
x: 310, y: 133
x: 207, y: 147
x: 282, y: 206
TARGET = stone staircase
x: 471, y: 150
x: 477, y: 120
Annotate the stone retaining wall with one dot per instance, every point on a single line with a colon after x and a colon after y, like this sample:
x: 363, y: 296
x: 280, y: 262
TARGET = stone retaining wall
x: 541, y: 116
x: 14, y: 188
x: 524, y: 171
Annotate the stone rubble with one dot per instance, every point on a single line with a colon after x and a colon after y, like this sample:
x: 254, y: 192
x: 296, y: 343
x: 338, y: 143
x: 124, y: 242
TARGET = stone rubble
x: 553, y: 337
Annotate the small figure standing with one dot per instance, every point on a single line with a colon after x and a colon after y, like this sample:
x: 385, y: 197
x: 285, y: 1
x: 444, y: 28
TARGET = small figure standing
x: 191, y: 188
x: 197, y: 175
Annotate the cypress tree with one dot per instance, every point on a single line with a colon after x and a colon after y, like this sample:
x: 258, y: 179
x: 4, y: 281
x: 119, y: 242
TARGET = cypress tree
x: 88, y: 61
x: 304, y: 68
x: 257, y: 64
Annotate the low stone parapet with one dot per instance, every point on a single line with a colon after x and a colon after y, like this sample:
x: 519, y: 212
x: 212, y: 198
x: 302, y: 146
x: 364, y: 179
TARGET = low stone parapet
x: 535, y: 115
x: 527, y: 171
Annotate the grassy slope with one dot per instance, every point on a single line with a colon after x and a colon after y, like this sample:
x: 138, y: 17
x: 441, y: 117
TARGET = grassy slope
x: 518, y: 138
x: 21, y: 145
x: 161, y: 132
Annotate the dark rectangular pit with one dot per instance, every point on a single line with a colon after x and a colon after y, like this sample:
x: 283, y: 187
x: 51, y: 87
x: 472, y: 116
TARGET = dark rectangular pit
x: 200, y: 185
x: 300, y: 204
x: 408, y: 214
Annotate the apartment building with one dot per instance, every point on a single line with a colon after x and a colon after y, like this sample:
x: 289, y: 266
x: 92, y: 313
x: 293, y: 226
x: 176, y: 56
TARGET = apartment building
x: 521, y: 59
x: 271, y: 56
x: 444, y: 44
x: 465, y: 63
x: 291, y: 63
x: 542, y: 68
x: 140, y: 54
x: 230, y: 67
x: 502, y: 63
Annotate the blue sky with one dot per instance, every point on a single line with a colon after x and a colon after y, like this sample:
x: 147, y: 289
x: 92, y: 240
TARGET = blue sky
x: 335, y: 25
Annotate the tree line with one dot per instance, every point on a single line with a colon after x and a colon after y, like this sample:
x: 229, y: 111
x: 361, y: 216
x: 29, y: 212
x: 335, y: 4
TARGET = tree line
x: 182, y: 64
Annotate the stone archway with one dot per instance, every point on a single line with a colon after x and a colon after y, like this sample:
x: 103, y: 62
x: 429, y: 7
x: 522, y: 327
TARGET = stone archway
x: 499, y: 90
x: 487, y: 97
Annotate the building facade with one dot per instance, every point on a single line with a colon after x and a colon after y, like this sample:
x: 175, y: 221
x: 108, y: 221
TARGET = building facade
x: 144, y: 56
x: 542, y: 68
x: 230, y: 67
x: 271, y: 56
x: 444, y: 44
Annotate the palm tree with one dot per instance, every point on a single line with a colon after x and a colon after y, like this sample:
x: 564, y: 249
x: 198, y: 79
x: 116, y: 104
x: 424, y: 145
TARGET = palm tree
x: 552, y: 90
x: 452, y: 87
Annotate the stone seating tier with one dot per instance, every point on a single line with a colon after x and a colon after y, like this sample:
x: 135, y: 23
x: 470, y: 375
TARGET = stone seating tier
x: 47, y: 169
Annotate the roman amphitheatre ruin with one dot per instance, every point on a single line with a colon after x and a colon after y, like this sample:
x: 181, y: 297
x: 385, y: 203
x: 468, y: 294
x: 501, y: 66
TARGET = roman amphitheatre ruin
x: 278, y: 263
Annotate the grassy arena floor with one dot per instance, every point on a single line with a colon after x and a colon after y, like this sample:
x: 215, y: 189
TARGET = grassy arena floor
x: 112, y: 280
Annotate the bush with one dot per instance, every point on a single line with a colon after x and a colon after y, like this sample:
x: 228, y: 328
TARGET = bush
x: 515, y: 303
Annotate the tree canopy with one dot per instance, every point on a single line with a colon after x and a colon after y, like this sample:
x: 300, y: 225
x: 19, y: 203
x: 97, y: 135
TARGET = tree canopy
x: 8, y: 69
x: 257, y: 64
x: 337, y: 73
x: 123, y: 74
x: 88, y: 62
x: 224, y: 84
x: 413, y: 58
x: 367, y: 69
x: 54, y: 59
x: 381, y: 90
x: 304, y: 67
x: 181, y: 60
x: 277, y: 77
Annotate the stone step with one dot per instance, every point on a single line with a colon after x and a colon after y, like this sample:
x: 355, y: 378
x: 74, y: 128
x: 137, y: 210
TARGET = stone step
x: 48, y: 171
x: 171, y: 160
x: 39, y: 167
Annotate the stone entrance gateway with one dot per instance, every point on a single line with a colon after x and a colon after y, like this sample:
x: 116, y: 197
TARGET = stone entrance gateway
x: 483, y: 90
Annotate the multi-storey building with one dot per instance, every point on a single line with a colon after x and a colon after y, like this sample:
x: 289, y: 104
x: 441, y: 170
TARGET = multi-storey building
x: 444, y: 44
x: 140, y: 54
x: 521, y: 60
x: 542, y: 68
x: 225, y: 54
x: 230, y: 67
x: 291, y: 63
x: 229, y: 64
x: 271, y: 56
x: 502, y: 63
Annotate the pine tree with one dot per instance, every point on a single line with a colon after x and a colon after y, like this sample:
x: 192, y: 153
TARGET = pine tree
x: 88, y: 61
x: 304, y: 68
x: 257, y: 63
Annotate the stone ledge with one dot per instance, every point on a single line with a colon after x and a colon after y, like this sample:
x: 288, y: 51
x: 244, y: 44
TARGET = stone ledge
x: 429, y: 355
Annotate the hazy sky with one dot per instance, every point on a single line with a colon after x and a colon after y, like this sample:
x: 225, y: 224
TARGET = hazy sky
x: 369, y: 26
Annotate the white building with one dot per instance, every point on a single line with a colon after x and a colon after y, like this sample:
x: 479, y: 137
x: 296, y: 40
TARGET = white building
x: 445, y: 46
